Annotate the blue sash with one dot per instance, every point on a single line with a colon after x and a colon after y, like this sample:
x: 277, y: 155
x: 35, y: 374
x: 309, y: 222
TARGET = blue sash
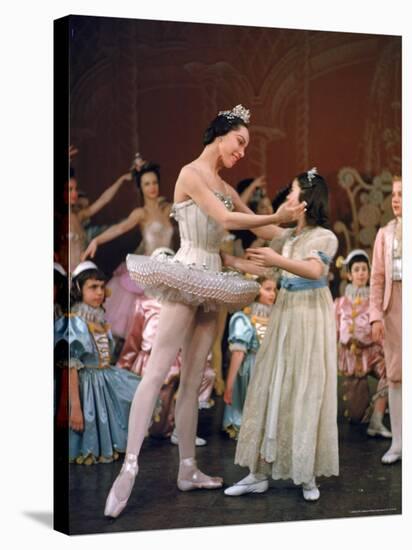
x: 294, y: 284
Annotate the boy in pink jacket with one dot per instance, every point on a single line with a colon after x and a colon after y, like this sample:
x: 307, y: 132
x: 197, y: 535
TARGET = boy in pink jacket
x: 385, y: 312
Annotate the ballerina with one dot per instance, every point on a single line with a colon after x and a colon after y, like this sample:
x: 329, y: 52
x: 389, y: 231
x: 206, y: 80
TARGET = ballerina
x: 193, y: 287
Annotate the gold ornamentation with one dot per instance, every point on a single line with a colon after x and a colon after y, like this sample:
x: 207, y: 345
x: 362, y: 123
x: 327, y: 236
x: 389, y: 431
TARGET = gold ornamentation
x: 370, y: 207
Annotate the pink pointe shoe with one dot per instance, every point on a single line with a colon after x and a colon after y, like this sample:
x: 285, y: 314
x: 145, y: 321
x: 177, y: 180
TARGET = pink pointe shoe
x: 123, y: 486
x: 190, y: 477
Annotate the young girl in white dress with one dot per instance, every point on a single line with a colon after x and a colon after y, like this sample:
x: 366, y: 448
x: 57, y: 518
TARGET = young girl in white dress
x: 289, y: 427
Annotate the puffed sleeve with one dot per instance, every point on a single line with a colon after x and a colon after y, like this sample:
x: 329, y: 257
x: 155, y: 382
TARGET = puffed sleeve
x: 60, y: 330
x: 240, y: 332
x: 78, y: 337
x: 61, y: 344
x: 322, y: 246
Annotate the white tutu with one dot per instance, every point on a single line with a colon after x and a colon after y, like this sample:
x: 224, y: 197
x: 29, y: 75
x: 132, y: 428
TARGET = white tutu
x: 170, y: 280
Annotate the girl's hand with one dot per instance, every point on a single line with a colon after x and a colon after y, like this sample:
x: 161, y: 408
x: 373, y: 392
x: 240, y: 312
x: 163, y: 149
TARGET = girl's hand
x: 90, y: 250
x: 76, y: 421
x: 246, y: 266
x: 263, y: 257
x: 242, y: 264
x: 227, y: 396
x: 288, y: 212
x: 377, y: 331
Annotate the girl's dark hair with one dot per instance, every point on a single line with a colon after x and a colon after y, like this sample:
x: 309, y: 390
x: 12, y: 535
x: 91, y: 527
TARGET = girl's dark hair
x: 280, y: 197
x: 78, y: 283
x: 147, y: 167
x: 357, y: 258
x: 221, y: 126
x: 315, y: 192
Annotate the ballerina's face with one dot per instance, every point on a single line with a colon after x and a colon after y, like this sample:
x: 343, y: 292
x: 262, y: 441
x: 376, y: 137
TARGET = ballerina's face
x: 397, y: 198
x: 232, y: 146
x: 149, y: 184
x: 93, y: 292
x: 267, y: 292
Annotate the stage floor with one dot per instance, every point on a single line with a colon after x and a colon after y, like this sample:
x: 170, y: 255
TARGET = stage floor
x: 365, y: 487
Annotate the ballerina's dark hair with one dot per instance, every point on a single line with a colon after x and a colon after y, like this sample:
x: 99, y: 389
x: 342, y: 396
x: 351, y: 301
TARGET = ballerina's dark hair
x: 76, y: 290
x: 146, y: 168
x: 221, y: 126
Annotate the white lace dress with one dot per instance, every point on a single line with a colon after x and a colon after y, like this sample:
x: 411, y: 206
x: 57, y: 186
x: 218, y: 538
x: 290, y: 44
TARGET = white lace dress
x: 289, y: 425
x: 194, y: 275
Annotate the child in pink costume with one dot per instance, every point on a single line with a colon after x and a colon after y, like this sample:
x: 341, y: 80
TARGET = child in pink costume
x: 358, y: 354
x: 386, y: 312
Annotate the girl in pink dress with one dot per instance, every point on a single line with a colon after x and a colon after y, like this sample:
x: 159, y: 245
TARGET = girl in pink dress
x: 358, y: 355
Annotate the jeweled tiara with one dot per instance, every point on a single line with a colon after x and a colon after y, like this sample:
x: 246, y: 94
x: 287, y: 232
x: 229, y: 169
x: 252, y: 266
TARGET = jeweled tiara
x: 237, y: 112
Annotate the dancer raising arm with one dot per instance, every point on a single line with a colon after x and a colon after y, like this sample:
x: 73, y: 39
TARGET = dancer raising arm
x: 153, y: 221
x: 192, y: 287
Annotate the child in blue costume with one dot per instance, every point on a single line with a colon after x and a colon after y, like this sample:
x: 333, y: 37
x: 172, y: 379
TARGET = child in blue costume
x: 99, y: 394
x: 246, y: 332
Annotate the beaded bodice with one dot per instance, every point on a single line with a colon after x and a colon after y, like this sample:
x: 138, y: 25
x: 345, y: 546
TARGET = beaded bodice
x: 200, y: 235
